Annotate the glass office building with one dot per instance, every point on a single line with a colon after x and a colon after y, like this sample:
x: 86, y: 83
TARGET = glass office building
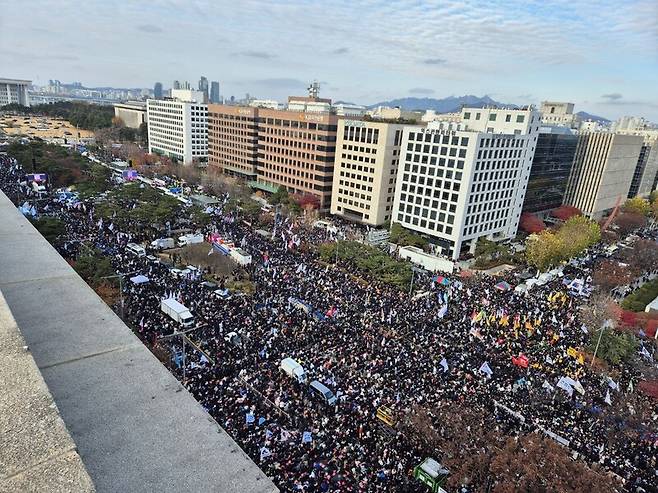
x: 550, y: 170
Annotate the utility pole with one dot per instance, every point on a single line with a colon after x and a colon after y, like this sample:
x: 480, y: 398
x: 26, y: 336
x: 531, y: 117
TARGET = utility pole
x: 120, y: 276
x: 183, y: 335
x: 605, y: 325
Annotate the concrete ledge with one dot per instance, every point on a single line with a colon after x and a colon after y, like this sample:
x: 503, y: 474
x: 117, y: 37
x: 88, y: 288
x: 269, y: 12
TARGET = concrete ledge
x: 36, y: 451
x: 136, y: 428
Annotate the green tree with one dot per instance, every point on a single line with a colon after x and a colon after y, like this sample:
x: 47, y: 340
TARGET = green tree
x: 280, y: 196
x: 637, y: 205
x: 544, y: 250
x: 404, y: 237
x: 50, y: 228
x: 93, y: 266
x: 615, y: 347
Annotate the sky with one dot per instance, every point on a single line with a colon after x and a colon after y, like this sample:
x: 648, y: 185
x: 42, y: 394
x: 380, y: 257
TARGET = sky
x: 601, y: 55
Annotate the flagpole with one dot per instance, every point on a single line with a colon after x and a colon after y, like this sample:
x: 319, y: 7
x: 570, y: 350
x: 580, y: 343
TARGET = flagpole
x: 597, y: 346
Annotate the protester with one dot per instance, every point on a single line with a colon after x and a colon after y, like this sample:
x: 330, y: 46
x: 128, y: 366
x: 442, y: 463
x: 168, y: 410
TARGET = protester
x: 514, y: 355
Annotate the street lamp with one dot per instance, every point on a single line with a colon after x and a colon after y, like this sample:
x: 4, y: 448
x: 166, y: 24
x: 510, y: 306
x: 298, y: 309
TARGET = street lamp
x: 183, y: 335
x: 606, y: 324
x: 120, y: 276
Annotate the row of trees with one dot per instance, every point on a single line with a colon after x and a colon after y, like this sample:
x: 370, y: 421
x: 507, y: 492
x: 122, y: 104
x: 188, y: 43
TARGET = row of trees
x: 369, y: 260
x: 485, y: 459
x: 63, y: 166
x: 549, y: 248
x: 403, y: 237
x: 80, y: 114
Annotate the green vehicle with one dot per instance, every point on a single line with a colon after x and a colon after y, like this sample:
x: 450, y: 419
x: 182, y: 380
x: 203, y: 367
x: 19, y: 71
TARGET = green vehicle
x: 433, y: 474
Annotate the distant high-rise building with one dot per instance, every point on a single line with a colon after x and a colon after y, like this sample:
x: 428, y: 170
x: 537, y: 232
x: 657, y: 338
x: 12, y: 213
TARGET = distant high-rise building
x: 203, y: 87
x: 458, y: 182
x: 551, y: 166
x: 602, y: 171
x: 14, y: 91
x: 214, y: 92
x: 157, y: 90
x: 176, y: 85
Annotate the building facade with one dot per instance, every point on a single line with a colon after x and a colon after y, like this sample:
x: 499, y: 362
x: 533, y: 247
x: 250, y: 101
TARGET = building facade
x: 556, y: 113
x: 157, y: 90
x: 365, y: 170
x: 132, y: 113
x: 551, y: 167
x: 14, y: 91
x: 178, y: 129
x: 214, y: 92
x: 646, y: 170
x: 458, y: 182
x: 297, y: 151
x: 233, y: 140
x: 603, y: 168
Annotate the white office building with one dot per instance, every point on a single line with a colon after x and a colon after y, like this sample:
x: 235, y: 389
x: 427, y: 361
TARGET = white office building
x: 178, y: 128
x: 14, y: 91
x: 458, y: 182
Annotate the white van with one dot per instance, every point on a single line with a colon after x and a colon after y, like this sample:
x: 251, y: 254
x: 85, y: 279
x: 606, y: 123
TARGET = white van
x: 293, y: 369
x: 322, y: 391
x: 136, y: 249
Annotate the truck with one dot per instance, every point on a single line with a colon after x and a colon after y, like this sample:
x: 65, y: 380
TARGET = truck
x: 177, y: 312
x: 163, y: 243
x: 293, y: 369
x: 190, y: 239
x: 240, y: 256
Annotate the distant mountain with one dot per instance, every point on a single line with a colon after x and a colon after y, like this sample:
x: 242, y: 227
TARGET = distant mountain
x: 445, y: 105
x: 586, y: 116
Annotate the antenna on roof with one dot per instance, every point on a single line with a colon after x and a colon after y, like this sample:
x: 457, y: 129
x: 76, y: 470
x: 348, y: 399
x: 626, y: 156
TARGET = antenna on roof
x: 314, y: 90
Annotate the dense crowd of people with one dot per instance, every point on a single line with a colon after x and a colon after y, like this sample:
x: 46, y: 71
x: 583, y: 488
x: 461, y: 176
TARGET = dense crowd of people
x: 462, y: 340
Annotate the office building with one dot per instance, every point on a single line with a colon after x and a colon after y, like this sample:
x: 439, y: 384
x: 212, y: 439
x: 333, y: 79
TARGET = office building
x: 458, y: 182
x: 214, y: 92
x: 175, y: 85
x: 367, y: 158
x: 14, y: 91
x: 293, y: 149
x: 603, y: 168
x: 267, y: 103
x: 178, y: 126
x: 296, y: 151
x: 348, y: 109
x: 646, y: 170
x: 132, y: 113
x: 233, y: 140
x: 555, y: 113
x: 551, y: 167
x: 309, y: 104
x: 203, y: 88
x: 157, y: 90
x: 397, y: 113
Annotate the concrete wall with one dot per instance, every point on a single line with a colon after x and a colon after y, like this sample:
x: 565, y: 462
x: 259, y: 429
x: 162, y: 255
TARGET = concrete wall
x: 136, y: 428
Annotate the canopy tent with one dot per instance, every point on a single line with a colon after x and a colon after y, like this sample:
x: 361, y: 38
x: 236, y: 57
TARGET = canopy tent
x: 503, y: 286
x: 441, y: 280
x: 140, y: 279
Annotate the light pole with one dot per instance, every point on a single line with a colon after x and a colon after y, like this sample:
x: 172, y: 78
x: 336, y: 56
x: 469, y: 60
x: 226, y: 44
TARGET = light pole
x: 183, y: 335
x: 605, y: 325
x: 120, y: 276
x: 413, y: 274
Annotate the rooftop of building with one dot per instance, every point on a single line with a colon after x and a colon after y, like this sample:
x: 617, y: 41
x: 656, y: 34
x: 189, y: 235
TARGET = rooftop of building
x: 15, y: 81
x: 133, y: 105
x: 134, y: 426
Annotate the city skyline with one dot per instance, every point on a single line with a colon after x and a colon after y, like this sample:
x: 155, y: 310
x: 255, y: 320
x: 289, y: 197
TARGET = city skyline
x: 536, y: 51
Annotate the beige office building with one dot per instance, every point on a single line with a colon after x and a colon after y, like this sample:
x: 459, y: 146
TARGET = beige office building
x: 233, y: 140
x: 132, y: 113
x: 367, y: 157
x: 558, y: 113
x: 602, y: 172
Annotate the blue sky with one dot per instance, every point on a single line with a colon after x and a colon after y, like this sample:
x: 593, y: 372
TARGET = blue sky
x: 600, y: 54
